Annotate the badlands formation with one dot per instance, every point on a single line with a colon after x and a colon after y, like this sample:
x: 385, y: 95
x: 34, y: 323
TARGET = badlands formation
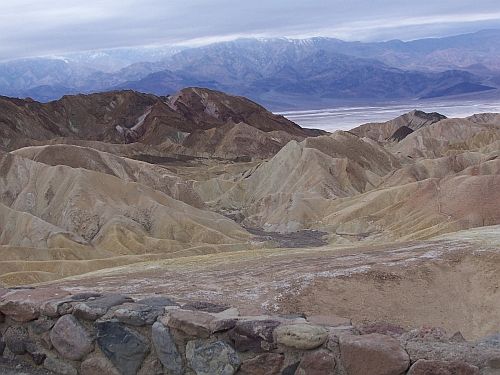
x: 203, y: 196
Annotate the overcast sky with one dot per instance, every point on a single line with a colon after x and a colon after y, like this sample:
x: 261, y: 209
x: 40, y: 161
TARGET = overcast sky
x: 42, y: 27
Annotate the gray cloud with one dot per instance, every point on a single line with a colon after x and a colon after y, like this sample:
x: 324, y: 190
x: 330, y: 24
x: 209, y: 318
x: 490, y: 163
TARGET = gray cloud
x: 34, y: 28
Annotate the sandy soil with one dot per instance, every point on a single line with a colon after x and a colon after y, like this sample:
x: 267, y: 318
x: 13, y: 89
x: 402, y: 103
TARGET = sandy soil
x: 452, y: 282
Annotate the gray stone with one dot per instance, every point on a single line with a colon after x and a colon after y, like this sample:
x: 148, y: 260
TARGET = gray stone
x: 71, y: 339
x: 45, y: 341
x: 2, y: 345
x: 301, y: 336
x: 426, y: 334
x: 16, y: 339
x: 41, y: 325
x: 125, y: 348
x: 136, y: 314
x: 373, y: 354
x: 209, y: 358
x: 38, y: 357
x: 254, y: 335
x: 166, y: 349
x: 192, y: 323
x: 205, y: 306
x: 424, y: 367
x: 157, y: 301
x: 59, y: 367
x: 458, y: 337
x: 492, y: 341
x: 290, y: 369
x: 98, y: 366
x: 95, y: 308
x: 474, y: 354
x: 60, y: 307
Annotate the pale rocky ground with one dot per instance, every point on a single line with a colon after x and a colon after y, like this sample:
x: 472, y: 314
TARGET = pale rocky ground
x: 451, y: 282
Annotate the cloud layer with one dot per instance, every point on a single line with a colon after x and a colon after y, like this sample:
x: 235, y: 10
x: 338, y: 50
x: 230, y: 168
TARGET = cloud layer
x: 34, y: 28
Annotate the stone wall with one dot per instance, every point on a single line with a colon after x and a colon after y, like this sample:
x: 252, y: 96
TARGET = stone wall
x: 91, y: 333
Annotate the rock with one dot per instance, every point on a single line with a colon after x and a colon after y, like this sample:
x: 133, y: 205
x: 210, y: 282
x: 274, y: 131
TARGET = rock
x: 166, y: 349
x: 291, y: 369
x: 98, y: 365
x: 207, y: 358
x: 494, y: 363
x: 474, y: 354
x: 158, y: 301
x: 2, y: 345
x: 70, y: 338
x: 20, y: 311
x: 458, y: 337
x: 489, y: 371
x: 492, y: 341
x: 320, y: 362
x: 231, y: 313
x: 41, y: 325
x: 426, y: 333
x: 263, y: 364
x: 382, y: 328
x: 125, y: 348
x: 220, y: 325
x: 2, y: 317
x: 58, y: 366
x: 60, y: 307
x: 16, y: 339
x: 38, y: 357
x: 45, y: 341
x: 424, y: 367
x: 192, y: 323
x: 94, y: 309
x: 301, y: 336
x: 329, y: 320
x: 380, y: 354
x: 254, y: 335
x: 137, y: 314
x: 332, y: 342
x: 24, y: 305
x: 152, y: 367
x: 205, y: 307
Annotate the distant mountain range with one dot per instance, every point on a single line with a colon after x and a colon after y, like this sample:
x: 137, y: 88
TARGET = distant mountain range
x: 281, y: 73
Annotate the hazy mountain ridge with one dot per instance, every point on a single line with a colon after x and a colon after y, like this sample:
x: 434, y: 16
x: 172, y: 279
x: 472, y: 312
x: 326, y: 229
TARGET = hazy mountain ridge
x: 290, y: 71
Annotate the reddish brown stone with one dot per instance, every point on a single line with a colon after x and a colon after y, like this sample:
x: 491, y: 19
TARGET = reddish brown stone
x: 24, y: 305
x: 70, y: 338
x: 321, y: 362
x: 373, y: 354
x: 264, y: 364
x: 98, y: 365
x: 424, y: 367
x: 254, y: 335
x: 193, y: 323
